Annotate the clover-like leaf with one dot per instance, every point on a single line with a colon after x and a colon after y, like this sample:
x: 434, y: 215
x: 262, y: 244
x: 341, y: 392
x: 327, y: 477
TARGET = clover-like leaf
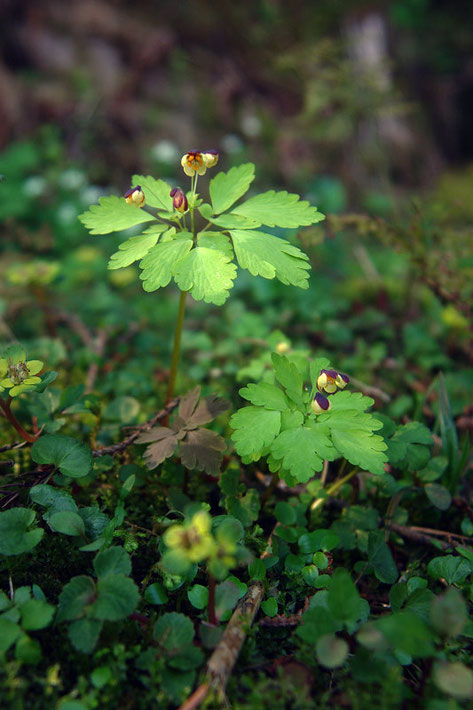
x: 270, y: 257
x: 72, y: 457
x: 279, y: 209
x: 113, y: 214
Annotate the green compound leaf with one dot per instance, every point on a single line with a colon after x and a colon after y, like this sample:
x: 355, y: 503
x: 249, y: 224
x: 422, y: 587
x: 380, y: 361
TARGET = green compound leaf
x: 135, y: 248
x: 113, y: 214
x: 227, y: 188
x: 255, y: 429
x: 265, y: 395
x: 233, y: 221
x: 15, y: 537
x: 352, y: 435
x: 215, y: 240
x: 288, y: 376
x: 297, y: 450
x: 160, y: 262
x: 156, y: 192
x: 270, y: 257
x: 279, y: 209
x: 207, y: 273
x: 72, y: 457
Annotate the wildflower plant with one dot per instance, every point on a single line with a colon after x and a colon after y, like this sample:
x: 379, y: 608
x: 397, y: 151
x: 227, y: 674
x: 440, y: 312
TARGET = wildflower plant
x: 198, y: 243
x: 297, y: 429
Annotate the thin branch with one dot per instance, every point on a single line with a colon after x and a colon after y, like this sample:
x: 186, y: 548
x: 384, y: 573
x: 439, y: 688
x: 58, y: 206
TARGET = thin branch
x: 421, y: 538
x: 15, y: 445
x: 122, y: 445
x: 370, y: 390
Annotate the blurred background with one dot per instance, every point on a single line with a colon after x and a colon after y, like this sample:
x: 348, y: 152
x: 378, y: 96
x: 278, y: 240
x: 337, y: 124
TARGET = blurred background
x: 362, y: 107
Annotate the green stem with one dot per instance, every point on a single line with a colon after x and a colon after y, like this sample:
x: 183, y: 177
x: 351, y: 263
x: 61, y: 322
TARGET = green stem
x: 334, y: 488
x: 176, y: 347
x: 5, y: 405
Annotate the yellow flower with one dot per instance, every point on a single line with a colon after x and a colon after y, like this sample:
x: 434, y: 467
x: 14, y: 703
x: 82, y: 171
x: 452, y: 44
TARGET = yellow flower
x: 193, y: 162
x: 320, y: 404
x: 327, y: 380
x: 210, y: 158
x: 192, y: 539
x: 135, y: 196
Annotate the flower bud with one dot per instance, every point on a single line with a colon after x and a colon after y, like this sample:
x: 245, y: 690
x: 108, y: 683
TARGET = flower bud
x: 193, y: 162
x: 282, y: 347
x: 320, y: 404
x: 210, y: 158
x: 135, y: 196
x: 342, y: 380
x: 327, y: 380
x: 179, y: 199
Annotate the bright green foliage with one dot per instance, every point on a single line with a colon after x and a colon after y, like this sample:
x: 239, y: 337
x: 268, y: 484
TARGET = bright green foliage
x: 27, y: 611
x: 22, y: 373
x: 160, y: 263
x: 271, y: 257
x: 279, y: 209
x: 135, y: 248
x: 207, y: 273
x: 202, y: 263
x: 16, y: 537
x: 408, y: 447
x: 226, y: 188
x: 255, y: 429
x: 156, y: 192
x: 70, y: 456
x: 297, y: 441
x: 113, y: 214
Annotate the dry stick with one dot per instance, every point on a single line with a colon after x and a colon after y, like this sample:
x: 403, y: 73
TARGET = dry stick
x: 370, y: 389
x: 224, y: 657
x: 421, y: 538
x: 122, y: 445
x: 15, y: 445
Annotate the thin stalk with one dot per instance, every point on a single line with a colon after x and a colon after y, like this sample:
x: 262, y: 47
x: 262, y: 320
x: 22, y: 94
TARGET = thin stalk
x: 331, y: 490
x: 176, y: 347
x: 5, y: 405
x: 211, y: 602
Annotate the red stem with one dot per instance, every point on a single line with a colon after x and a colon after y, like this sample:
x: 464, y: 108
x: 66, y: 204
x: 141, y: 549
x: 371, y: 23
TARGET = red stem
x: 5, y: 405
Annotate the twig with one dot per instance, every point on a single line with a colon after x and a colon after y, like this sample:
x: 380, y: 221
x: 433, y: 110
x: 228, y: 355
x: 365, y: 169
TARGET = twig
x: 122, y: 445
x: 15, y: 445
x: 441, y: 533
x: 419, y: 537
x: 98, y: 348
x: 224, y: 657
x: 370, y: 389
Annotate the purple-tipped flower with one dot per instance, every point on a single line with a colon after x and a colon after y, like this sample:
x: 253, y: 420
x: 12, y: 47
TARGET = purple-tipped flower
x: 342, y: 380
x: 135, y: 196
x: 179, y: 199
x: 320, y: 404
x: 210, y: 158
x: 327, y: 380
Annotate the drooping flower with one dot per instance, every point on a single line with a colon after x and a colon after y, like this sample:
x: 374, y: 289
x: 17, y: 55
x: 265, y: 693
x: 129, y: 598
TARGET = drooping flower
x: 135, y: 196
x: 179, y: 201
x: 342, y: 380
x: 327, y: 380
x: 320, y: 404
x: 210, y: 158
x: 193, y: 162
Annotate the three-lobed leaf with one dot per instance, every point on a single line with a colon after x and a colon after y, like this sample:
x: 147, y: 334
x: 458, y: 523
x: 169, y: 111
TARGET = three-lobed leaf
x: 159, y: 264
x: 226, y: 188
x: 207, y: 273
x: 255, y: 429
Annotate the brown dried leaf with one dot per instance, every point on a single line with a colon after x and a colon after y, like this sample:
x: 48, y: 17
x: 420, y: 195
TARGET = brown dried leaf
x: 208, y: 409
x: 202, y: 449
x: 157, y: 433
x: 188, y: 403
x: 165, y: 443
